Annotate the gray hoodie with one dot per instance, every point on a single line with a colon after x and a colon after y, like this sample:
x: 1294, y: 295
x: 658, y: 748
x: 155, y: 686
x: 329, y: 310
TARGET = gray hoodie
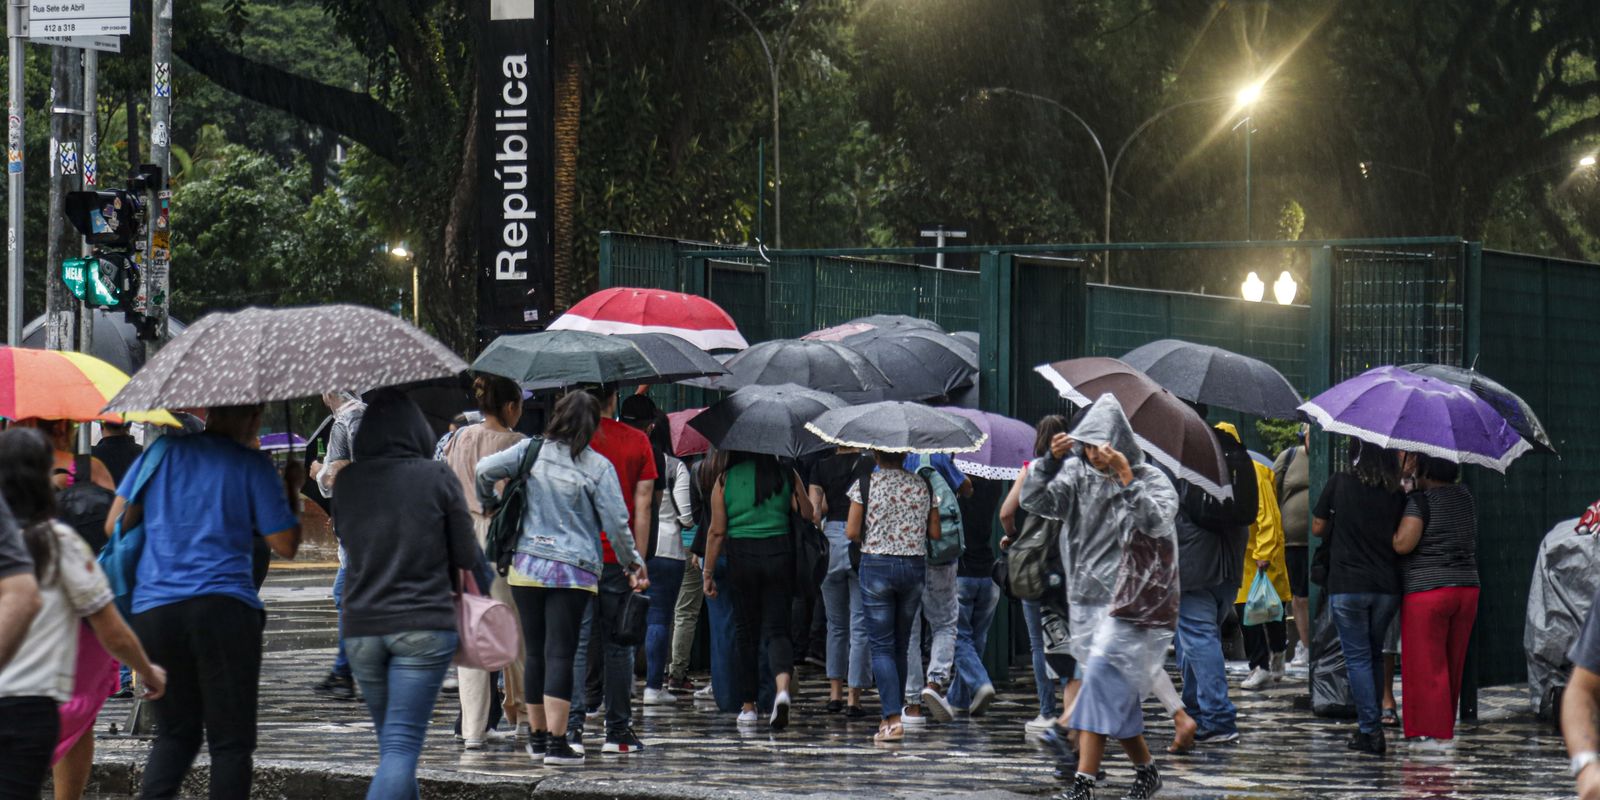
x: 1098, y: 512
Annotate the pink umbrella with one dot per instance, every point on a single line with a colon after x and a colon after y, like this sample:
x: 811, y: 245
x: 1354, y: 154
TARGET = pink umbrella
x: 686, y: 441
x: 626, y: 310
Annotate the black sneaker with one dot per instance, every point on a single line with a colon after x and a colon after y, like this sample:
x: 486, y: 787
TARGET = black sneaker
x: 559, y: 753
x: 538, y: 742
x: 1082, y: 789
x: 1216, y: 737
x: 835, y: 707
x: 575, y: 740
x: 1146, y: 782
x: 123, y: 692
x: 854, y: 712
x: 623, y: 742
x: 337, y: 687
x: 681, y: 685
x: 1373, y: 743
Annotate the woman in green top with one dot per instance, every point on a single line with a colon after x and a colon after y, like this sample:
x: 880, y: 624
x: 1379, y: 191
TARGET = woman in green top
x: 750, y: 508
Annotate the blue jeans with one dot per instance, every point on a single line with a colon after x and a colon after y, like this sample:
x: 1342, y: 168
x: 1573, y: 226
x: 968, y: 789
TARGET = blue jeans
x: 1362, y: 620
x: 848, y: 654
x: 341, y: 660
x: 666, y: 579
x: 1043, y: 684
x: 1199, y: 649
x: 891, y: 595
x: 598, y: 620
x: 400, y: 675
x: 978, y: 598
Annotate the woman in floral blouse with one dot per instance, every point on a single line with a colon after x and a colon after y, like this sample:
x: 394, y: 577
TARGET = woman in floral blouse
x: 892, y: 516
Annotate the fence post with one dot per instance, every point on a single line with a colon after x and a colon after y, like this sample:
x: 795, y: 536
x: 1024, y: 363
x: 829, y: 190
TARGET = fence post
x: 1319, y: 376
x: 605, y: 260
x: 994, y: 331
x: 1473, y: 297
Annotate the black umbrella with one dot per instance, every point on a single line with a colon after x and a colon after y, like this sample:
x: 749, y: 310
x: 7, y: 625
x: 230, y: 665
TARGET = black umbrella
x: 895, y: 427
x: 970, y: 337
x: 920, y: 363
x: 262, y: 355
x: 115, y: 341
x: 1516, y: 411
x: 766, y: 419
x: 674, y: 356
x: 823, y: 366
x: 1204, y: 374
x: 896, y: 321
x: 1170, y: 432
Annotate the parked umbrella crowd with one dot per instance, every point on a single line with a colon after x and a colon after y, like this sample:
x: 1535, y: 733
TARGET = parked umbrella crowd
x: 838, y: 504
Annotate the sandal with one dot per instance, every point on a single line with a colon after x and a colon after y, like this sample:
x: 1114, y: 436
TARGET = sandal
x: 1390, y: 719
x: 891, y: 733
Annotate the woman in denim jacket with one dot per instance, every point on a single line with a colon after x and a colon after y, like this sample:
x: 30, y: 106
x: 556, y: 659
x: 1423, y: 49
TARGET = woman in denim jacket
x: 573, y: 494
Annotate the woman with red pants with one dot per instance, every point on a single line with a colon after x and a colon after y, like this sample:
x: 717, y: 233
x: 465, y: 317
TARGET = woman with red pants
x: 1438, y: 543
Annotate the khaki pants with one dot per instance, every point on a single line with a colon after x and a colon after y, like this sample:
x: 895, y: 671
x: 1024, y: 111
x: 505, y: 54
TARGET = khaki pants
x: 475, y: 692
x: 686, y: 617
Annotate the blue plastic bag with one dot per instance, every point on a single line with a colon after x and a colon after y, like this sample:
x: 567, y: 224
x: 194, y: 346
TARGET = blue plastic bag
x: 1262, y: 605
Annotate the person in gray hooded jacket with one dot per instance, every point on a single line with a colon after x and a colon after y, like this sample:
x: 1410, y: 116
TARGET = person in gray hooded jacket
x: 1119, y: 548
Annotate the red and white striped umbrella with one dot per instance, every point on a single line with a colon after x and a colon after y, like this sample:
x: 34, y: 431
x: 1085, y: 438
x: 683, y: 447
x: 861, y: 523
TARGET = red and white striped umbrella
x: 627, y: 310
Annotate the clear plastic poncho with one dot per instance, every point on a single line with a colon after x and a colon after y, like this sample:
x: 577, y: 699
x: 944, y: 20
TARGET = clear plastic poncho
x: 1565, y: 578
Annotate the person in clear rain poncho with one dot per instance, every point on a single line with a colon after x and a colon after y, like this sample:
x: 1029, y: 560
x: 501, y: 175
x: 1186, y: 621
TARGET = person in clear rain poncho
x: 1119, y: 547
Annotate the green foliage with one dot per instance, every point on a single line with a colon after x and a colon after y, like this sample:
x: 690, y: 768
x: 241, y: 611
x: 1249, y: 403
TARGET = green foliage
x: 1278, y: 434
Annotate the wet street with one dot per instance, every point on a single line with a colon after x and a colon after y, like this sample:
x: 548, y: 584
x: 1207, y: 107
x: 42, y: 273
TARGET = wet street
x: 310, y: 745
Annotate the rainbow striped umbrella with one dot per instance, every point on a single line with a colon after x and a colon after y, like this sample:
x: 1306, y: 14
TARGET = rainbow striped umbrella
x: 53, y: 384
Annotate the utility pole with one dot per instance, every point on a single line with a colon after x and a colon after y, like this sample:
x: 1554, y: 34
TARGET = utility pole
x: 91, y: 175
x: 65, y: 99
x: 158, y: 283
x: 15, y: 11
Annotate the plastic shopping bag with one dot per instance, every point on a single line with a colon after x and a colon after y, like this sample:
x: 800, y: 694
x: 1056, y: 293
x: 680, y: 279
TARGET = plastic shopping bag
x: 1262, y: 605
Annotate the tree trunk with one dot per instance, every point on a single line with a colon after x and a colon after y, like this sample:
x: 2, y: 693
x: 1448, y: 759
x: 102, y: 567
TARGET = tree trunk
x: 571, y: 284
x: 455, y: 279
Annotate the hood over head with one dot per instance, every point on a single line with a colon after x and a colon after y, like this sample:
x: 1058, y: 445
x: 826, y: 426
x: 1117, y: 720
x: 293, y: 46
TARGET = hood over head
x: 393, y: 427
x: 1105, y: 423
x: 1229, y: 429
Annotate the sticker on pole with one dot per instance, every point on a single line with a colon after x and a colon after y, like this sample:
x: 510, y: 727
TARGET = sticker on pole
x: 52, y: 18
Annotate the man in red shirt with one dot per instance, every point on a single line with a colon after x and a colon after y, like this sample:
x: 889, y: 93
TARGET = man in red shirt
x: 628, y: 450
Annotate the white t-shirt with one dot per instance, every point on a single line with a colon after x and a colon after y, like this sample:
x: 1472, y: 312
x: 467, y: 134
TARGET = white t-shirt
x: 676, y: 512
x: 74, y: 589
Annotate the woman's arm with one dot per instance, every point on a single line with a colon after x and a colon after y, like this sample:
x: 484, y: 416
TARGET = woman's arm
x: 819, y: 503
x: 802, y: 501
x: 1408, y: 535
x: 855, y: 522
x: 933, y: 521
x: 1009, y: 508
x: 683, y: 496
x: 714, y: 537
x: 119, y: 641
x: 494, y: 468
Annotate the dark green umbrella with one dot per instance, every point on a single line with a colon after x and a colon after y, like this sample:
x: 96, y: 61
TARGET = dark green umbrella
x: 549, y: 359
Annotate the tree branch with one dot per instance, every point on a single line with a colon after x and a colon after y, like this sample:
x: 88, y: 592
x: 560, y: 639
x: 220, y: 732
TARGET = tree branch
x: 352, y: 114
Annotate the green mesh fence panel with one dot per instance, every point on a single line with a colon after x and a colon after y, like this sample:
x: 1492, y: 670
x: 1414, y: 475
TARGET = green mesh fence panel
x: 741, y: 290
x: 1535, y: 337
x: 1046, y: 325
x: 1397, y: 306
x: 645, y: 261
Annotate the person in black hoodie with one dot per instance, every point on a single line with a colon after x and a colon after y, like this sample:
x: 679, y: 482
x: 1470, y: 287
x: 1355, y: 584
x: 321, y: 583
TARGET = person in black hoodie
x: 404, y: 524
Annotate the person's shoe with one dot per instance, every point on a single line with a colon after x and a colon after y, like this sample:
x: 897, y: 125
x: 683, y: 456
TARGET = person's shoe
x: 595, y: 712
x: 538, y: 742
x: 1373, y: 743
x: 1082, y: 788
x: 1054, y: 743
x: 912, y: 720
x: 934, y: 703
x: 1302, y: 655
x: 780, y: 712
x: 575, y: 740
x: 337, y: 687
x: 1390, y: 718
x: 1275, y: 666
x: 524, y: 730
x: 1430, y: 745
x: 473, y: 744
x: 981, y: 700
x: 854, y: 712
x: 748, y: 717
x: 705, y: 693
x: 1146, y: 782
x: 834, y: 707
x: 561, y: 753
x: 1258, y: 678
x: 659, y: 697
x: 622, y: 742
x: 681, y: 685
x: 1216, y: 737
x: 1039, y: 724
x: 451, y: 685
x: 123, y: 692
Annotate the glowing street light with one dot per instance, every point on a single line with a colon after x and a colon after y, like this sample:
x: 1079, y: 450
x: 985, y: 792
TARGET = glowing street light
x: 1247, y: 97
x: 400, y: 251
x: 1284, y: 289
x: 1586, y: 161
x: 1253, y: 289
x: 1249, y: 94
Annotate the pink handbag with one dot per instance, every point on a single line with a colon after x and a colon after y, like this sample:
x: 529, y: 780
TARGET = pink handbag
x: 489, y: 635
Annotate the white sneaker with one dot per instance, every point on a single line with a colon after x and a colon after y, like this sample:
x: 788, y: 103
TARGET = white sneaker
x: 473, y: 744
x: 1276, y: 667
x: 1039, y: 724
x: 705, y: 693
x: 912, y: 720
x: 1257, y: 679
x: 659, y: 697
x: 936, y: 706
x: 1302, y: 655
x: 748, y: 718
x: 981, y: 700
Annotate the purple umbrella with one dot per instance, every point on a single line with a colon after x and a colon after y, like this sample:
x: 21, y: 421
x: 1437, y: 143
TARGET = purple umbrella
x: 1390, y: 407
x: 278, y: 442
x: 1010, y: 443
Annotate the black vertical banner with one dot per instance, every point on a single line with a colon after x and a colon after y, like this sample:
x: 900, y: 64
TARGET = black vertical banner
x: 516, y: 168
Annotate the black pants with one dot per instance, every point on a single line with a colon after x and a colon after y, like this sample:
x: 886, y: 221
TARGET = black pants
x: 1261, y: 641
x: 761, y: 580
x: 551, y: 622
x: 211, y: 649
x: 28, y: 730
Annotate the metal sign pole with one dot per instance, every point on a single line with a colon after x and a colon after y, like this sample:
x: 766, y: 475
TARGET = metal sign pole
x: 65, y: 84
x: 157, y: 278
x: 16, y: 12
x: 91, y: 176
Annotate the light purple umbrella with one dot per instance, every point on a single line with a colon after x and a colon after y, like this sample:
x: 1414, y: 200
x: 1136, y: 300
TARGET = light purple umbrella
x: 1010, y: 443
x: 1390, y: 407
x: 278, y: 442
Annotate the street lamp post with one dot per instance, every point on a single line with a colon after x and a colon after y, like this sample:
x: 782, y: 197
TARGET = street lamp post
x: 1247, y: 100
x: 400, y: 251
x: 774, y: 61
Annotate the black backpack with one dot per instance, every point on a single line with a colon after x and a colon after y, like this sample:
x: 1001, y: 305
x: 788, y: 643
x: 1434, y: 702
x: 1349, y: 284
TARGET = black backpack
x: 501, y: 541
x: 84, y: 505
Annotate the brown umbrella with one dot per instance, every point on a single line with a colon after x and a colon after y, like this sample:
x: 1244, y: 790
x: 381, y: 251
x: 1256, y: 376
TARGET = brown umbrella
x: 1170, y: 432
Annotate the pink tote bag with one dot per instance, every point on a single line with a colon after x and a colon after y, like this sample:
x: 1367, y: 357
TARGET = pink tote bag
x: 488, y: 630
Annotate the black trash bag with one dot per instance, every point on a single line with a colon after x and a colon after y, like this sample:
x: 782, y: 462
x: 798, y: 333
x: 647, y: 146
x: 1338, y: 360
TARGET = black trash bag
x: 1330, y: 682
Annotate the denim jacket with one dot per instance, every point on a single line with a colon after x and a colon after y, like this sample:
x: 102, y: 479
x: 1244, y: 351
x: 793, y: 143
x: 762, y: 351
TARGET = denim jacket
x: 570, y: 501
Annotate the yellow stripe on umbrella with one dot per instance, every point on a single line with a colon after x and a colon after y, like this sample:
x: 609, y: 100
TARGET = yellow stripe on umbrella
x: 52, y: 384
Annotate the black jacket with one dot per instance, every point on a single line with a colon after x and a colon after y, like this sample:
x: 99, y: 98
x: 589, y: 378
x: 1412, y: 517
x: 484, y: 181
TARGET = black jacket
x: 403, y: 522
x: 1212, y: 533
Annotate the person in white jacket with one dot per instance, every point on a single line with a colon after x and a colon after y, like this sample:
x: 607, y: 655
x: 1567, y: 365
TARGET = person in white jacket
x: 666, y: 571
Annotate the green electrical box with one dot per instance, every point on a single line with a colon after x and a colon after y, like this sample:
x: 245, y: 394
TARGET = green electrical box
x: 83, y: 276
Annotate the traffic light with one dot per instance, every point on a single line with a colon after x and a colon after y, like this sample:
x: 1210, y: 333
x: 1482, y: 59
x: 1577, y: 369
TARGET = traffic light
x: 113, y: 223
x: 105, y: 218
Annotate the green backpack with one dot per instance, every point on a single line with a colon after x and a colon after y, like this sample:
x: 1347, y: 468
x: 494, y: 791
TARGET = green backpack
x: 948, y: 547
x: 500, y: 544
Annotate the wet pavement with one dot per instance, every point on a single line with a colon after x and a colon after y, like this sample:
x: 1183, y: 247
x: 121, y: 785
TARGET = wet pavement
x: 310, y: 746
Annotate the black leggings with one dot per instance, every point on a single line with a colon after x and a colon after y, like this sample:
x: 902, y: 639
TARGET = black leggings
x: 551, y: 619
x: 761, y: 584
x: 28, y: 730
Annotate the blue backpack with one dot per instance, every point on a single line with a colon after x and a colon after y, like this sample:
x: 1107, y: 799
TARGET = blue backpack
x: 120, y: 558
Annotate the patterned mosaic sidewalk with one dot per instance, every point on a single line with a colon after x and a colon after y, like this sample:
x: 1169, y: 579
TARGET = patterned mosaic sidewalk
x: 309, y: 744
